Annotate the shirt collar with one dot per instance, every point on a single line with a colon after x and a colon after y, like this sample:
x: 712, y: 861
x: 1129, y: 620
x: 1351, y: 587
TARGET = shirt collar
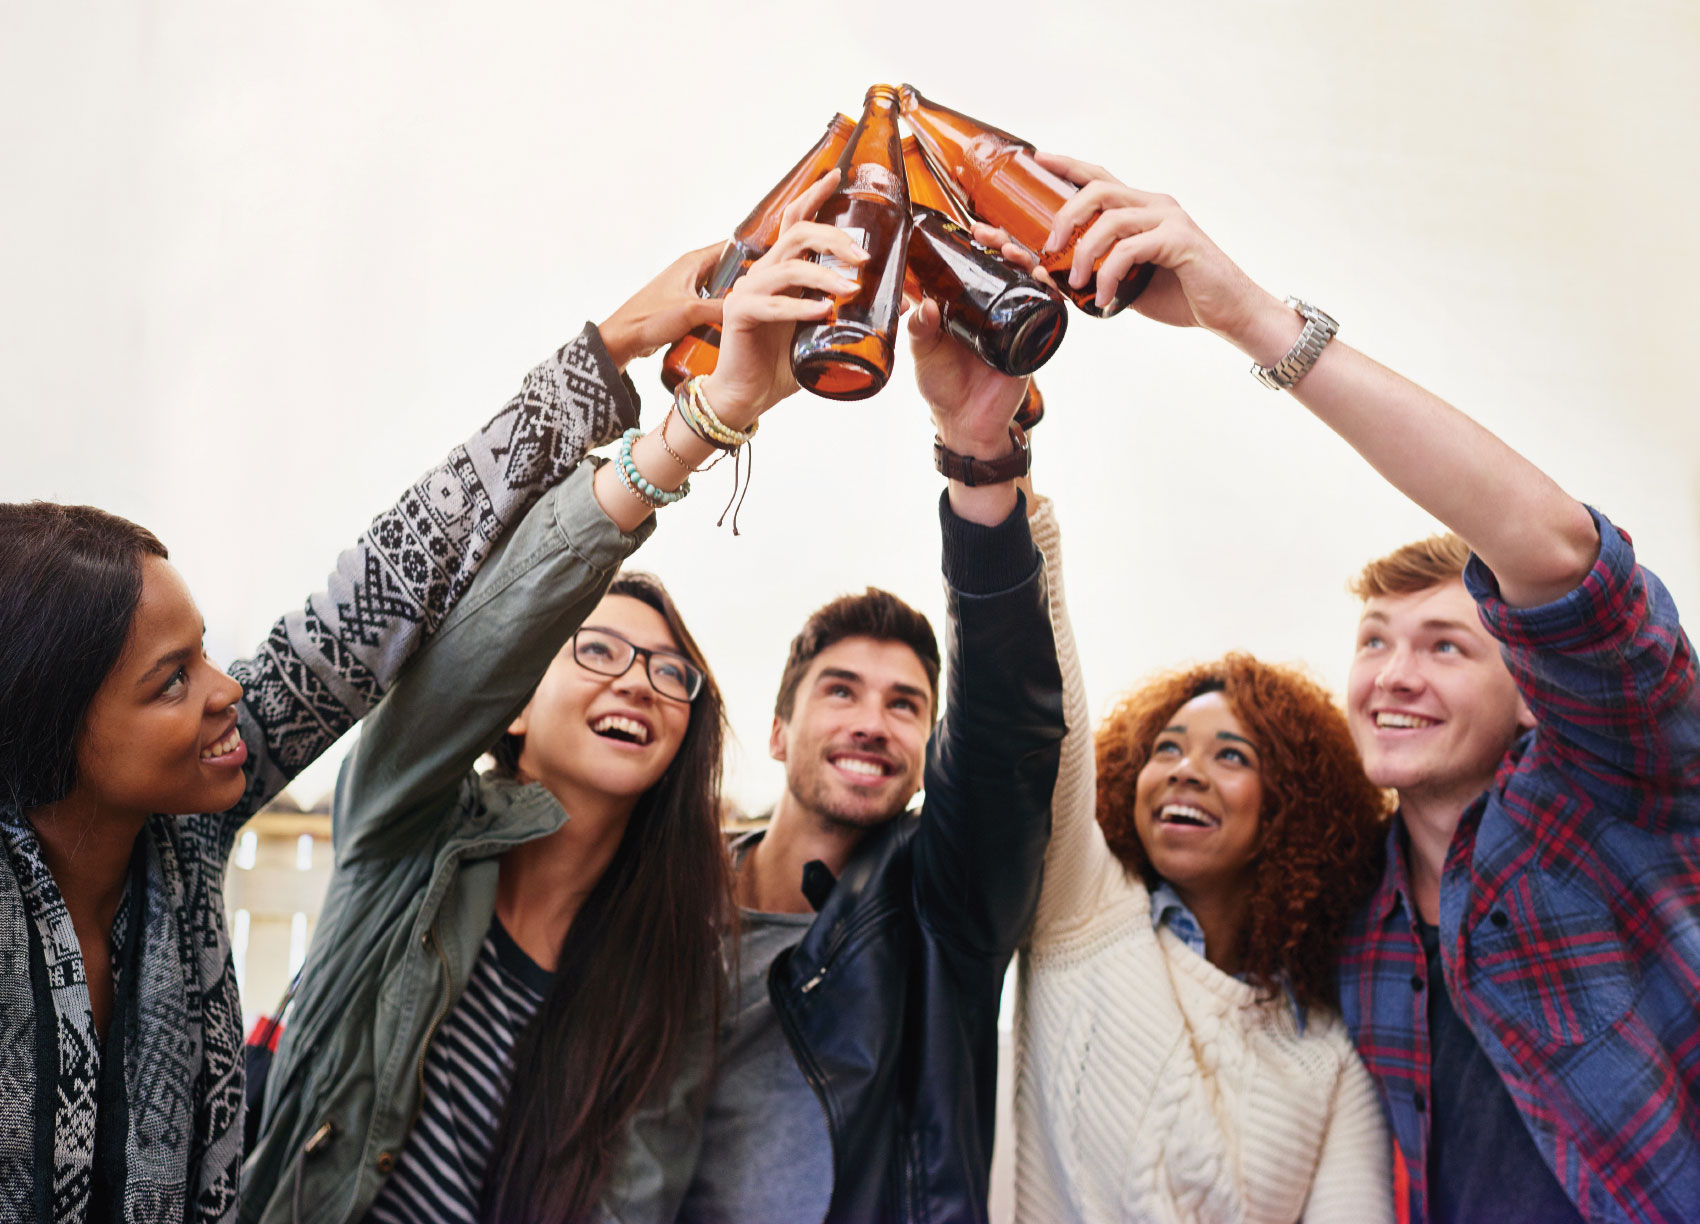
x: 1168, y: 910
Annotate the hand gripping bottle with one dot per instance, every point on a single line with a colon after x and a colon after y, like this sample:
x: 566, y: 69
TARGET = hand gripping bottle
x: 848, y: 354
x: 1008, y: 319
x: 699, y: 351
x: 1006, y: 185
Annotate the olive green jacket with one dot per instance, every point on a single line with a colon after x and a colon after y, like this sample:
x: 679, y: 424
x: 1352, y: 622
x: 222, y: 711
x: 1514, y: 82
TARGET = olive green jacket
x: 418, y: 836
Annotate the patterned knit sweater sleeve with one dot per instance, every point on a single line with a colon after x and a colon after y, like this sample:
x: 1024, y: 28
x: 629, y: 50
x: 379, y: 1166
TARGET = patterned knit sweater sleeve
x: 1082, y: 876
x: 328, y: 663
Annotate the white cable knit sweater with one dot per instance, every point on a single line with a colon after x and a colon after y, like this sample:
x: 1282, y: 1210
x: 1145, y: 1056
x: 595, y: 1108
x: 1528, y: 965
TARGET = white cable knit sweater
x: 1150, y: 1085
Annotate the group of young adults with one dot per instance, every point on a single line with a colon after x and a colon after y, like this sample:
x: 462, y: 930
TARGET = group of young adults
x: 1250, y: 986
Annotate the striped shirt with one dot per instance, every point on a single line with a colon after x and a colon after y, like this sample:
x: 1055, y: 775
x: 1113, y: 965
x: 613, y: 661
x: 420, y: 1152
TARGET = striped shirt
x: 440, y: 1174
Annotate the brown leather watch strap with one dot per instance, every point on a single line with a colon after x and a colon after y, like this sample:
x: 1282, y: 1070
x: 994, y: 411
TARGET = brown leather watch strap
x: 976, y: 472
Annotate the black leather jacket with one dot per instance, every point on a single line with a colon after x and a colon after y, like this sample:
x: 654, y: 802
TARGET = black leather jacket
x: 890, y: 1002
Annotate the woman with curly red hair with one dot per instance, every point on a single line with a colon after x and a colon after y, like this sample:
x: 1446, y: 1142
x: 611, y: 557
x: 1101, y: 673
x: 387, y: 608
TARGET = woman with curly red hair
x: 1179, y: 1054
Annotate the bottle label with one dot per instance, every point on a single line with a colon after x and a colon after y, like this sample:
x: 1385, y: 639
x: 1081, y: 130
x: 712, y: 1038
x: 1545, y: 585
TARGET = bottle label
x: 853, y: 271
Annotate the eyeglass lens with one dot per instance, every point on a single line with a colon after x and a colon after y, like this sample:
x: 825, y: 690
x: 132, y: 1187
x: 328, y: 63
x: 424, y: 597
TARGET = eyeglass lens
x: 609, y: 654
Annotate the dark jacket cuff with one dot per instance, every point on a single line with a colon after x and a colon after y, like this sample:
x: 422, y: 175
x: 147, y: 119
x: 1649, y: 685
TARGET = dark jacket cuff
x: 618, y: 382
x: 981, y: 560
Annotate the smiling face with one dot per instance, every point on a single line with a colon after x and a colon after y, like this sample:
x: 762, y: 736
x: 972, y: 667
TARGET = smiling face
x: 160, y: 735
x: 1198, y: 798
x: 1430, y: 703
x: 854, y: 744
x: 601, y: 737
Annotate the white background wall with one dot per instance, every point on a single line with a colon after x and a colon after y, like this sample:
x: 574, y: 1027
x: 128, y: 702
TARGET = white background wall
x: 261, y: 264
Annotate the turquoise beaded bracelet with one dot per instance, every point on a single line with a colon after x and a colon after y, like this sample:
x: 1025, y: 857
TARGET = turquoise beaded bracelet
x: 634, y: 480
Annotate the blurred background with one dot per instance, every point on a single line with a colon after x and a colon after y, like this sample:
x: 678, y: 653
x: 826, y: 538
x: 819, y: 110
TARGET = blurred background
x: 263, y: 264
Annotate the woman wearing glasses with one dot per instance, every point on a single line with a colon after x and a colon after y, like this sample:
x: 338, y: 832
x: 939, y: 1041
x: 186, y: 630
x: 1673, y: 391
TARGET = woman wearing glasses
x: 508, y: 1010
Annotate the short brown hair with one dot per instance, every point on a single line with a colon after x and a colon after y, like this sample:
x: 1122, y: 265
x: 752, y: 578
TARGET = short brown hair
x: 873, y: 614
x: 1322, y: 822
x: 1415, y: 567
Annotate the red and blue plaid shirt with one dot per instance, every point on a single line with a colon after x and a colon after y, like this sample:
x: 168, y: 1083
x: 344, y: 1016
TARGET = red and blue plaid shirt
x: 1569, y: 908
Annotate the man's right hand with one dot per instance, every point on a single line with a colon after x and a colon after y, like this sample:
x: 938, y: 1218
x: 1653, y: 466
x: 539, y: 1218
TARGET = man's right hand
x: 1194, y: 284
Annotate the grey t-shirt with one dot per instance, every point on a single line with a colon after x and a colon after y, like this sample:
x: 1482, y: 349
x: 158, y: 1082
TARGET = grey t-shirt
x: 766, y: 1156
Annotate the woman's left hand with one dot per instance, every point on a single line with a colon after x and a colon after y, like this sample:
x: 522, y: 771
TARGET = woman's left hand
x: 663, y: 310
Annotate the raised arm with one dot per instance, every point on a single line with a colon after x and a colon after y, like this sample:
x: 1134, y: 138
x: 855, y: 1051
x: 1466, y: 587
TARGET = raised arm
x: 992, y: 762
x: 1078, y: 862
x: 327, y: 664
x: 1538, y: 540
x: 469, y: 682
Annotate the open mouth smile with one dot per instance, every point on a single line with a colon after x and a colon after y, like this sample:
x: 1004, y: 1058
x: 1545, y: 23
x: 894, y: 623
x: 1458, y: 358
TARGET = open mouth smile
x: 862, y: 768
x: 622, y: 728
x: 1388, y: 720
x: 1184, y: 815
x: 228, y: 749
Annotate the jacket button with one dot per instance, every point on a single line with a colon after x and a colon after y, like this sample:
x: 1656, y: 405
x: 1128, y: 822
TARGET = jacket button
x: 1499, y: 919
x: 1420, y: 1101
x: 1417, y: 982
x: 385, y: 1164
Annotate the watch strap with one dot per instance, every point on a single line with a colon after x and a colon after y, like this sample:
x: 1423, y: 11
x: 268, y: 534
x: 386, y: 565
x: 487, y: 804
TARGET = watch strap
x: 1318, y: 330
x: 977, y: 472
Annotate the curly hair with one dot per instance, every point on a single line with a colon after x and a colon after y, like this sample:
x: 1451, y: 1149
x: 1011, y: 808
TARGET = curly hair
x: 1322, y: 821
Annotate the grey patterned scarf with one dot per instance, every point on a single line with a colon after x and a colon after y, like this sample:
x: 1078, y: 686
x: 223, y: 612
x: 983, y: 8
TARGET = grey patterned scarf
x: 181, y: 1140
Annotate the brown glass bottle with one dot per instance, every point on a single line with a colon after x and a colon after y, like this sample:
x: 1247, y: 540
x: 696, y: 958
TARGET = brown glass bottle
x: 848, y: 354
x: 699, y: 351
x: 1011, y: 321
x: 1006, y: 185
x: 1032, y: 409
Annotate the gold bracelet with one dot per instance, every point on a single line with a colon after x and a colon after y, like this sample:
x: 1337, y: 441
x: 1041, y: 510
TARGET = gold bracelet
x: 666, y: 446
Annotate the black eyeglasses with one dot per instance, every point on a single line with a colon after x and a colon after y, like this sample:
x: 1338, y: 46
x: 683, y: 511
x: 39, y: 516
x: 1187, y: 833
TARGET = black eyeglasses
x: 608, y: 654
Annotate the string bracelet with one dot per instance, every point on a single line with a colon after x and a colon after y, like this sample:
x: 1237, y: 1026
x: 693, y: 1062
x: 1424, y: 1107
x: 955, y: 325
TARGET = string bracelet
x: 635, y: 482
x: 693, y: 405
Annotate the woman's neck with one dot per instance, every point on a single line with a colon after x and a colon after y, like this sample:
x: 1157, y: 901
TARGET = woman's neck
x: 1220, y: 913
x: 544, y: 882
x: 87, y: 849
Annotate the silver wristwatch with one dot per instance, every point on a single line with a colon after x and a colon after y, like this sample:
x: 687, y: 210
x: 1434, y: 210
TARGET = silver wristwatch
x: 1319, y: 330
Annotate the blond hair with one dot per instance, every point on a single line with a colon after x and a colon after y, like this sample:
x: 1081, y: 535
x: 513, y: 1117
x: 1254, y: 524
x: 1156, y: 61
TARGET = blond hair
x: 1415, y: 567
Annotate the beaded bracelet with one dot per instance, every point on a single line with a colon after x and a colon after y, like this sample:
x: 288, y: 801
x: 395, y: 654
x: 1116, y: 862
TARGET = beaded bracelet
x: 693, y: 406
x: 634, y: 480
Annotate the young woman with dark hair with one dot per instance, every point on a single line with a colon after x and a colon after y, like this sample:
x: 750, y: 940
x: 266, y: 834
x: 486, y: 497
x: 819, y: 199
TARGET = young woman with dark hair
x: 554, y: 925
x: 121, y: 1088
x: 509, y: 1007
x: 1179, y: 1051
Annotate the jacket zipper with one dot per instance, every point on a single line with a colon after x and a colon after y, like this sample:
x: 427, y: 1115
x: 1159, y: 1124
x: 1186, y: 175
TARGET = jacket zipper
x: 863, y: 921
x: 805, y: 1061
x: 811, y: 1075
x: 425, y: 1047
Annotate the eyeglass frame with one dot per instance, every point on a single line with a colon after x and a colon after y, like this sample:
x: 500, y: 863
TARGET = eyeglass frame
x: 648, y: 655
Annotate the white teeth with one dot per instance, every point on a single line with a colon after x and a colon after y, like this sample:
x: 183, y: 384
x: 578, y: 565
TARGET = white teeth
x: 618, y: 722
x: 1183, y: 814
x: 224, y: 746
x: 1403, y: 720
x: 853, y: 765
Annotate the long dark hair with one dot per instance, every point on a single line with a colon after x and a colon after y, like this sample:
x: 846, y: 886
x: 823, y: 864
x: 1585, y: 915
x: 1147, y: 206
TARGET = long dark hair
x: 1323, y: 823
x: 637, y: 981
x: 70, y: 580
